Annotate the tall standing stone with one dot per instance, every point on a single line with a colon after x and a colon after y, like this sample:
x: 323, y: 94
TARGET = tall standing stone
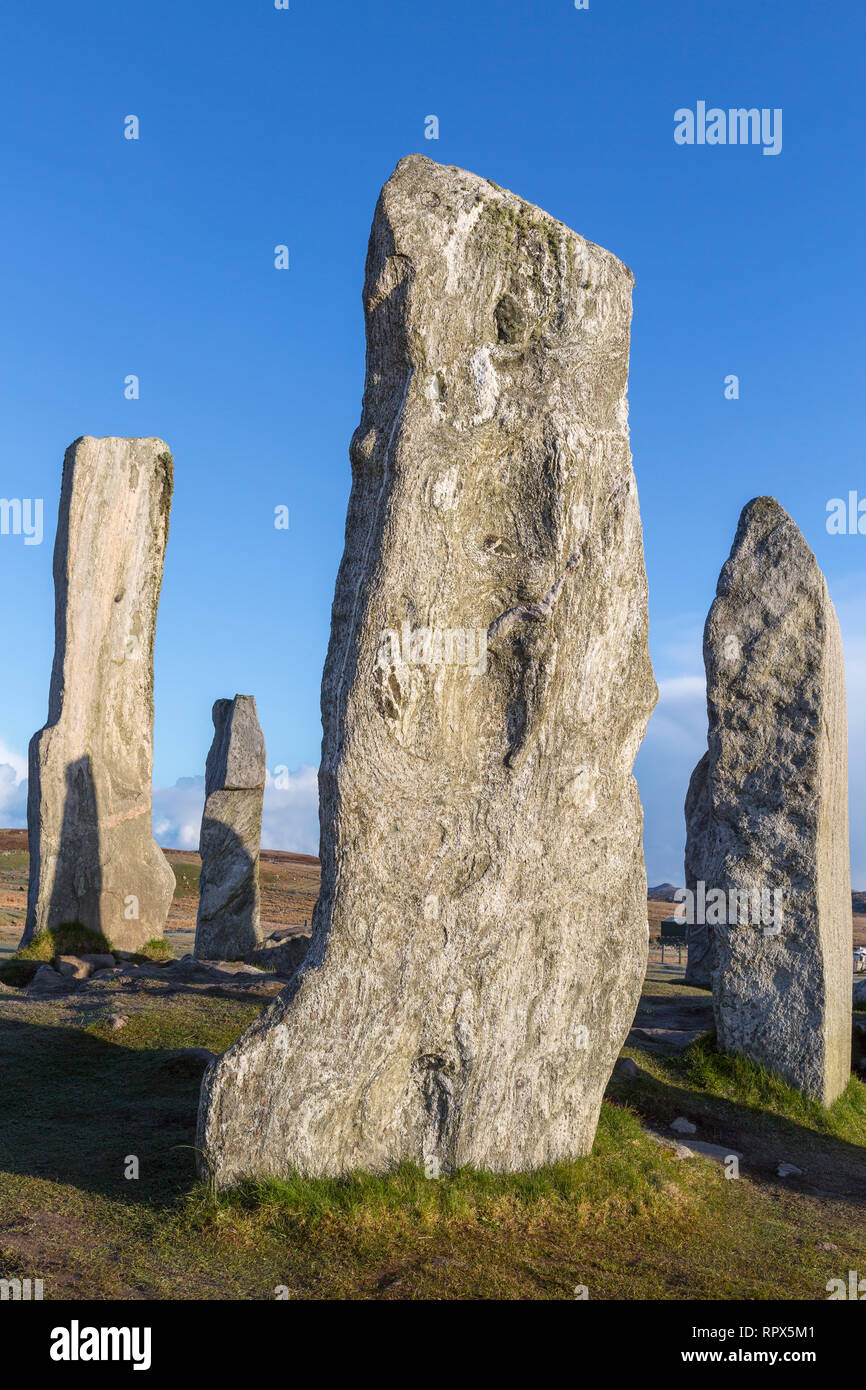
x: 228, y: 925
x: 769, y: 817
x: 699, y: 936
x: 93, y: 858
x: 480, y: 939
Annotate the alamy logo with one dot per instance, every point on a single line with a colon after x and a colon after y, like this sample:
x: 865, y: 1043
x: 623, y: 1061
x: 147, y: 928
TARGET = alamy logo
x: 846, y: 518
x: 22, y: 516
x: 20, y: 1290
x: 434, y: 646
x: 856, y: 1287
x: 77, y: 1343
x: 736, y: 126
x: 740, y: 907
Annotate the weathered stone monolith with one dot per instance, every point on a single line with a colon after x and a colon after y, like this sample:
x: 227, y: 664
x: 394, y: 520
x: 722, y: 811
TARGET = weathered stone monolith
x: 93, y: 858
x: 228, y: 925
x: 480, y: 939
x: 768, y: 836
x: 699, y: 936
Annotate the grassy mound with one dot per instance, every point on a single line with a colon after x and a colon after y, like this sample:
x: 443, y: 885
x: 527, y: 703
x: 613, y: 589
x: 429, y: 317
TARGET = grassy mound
x: 155, y: 949
x: 629, y: 1221
x: 18, y: 973
x: 69, y: 939
x: 626, y: 1174
x: 737, y: 1079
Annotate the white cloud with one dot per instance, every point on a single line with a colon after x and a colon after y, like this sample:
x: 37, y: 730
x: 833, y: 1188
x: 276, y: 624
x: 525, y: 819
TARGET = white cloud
x: 17, y: 761
x: 13, y: 788
x: 177, y: 813
x: 290, y: 818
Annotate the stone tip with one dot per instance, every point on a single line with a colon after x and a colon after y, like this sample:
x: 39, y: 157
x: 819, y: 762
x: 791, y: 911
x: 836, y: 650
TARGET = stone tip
x: 221, y: 707
x: 760, y: 518
x: 158, y: 444
x: 419, y: 175
x: 763, y: 511
x: 766, y: 528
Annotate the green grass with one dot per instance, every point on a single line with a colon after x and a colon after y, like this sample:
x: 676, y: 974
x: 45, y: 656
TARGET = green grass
x: 14, y: 861
x: 211, y: 1023
x: 624, y: 1171
x: 69, y: 939
x: 18, y: 973
x: 155, y: 949
x: 737, y: 1079
x: 628, y: 1221
x: 186, y: 878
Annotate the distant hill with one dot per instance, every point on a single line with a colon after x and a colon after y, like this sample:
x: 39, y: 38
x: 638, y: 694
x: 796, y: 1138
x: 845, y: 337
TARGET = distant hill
x: 16, y: 840
x: 662, y: 893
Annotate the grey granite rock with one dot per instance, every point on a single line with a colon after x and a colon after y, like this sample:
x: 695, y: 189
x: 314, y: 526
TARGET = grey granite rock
x: 228, y: 925
x: 284, y: 956
x: 480, y: 939
x: 683, y: 1126
x: 72, y: 966
x: 773, y: 824
x: 93, y: 858
x: 789, y: 1170
x: 47, y: 981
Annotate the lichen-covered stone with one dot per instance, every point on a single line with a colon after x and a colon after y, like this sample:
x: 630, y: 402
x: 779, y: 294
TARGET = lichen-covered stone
x: 228, y: 925
x: 480, y: 939
x: 93, y: 858
x: 769, y: 820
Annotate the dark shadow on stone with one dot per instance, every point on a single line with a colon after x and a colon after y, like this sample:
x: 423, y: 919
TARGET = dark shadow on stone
x: 77, y: 886
x: 78, y: 877
x: 228, y: 896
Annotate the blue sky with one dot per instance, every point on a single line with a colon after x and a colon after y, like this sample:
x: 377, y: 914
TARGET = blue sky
x: 261, y: 127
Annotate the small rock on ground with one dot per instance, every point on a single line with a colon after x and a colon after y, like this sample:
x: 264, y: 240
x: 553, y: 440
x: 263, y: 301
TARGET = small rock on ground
x: 683, y: 1126
x: 46, y: 979
x: 72, y: 966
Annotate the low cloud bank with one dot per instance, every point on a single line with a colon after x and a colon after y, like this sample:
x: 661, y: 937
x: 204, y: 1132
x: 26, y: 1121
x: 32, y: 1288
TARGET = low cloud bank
x: 290, y: 816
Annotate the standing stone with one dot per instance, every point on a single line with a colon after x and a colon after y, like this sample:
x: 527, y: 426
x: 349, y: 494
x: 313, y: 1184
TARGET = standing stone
x: 480, y: 939
x: 228, y: 924
x: 699, y: 938
x: 93, y: 858
x: 769, y: 812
